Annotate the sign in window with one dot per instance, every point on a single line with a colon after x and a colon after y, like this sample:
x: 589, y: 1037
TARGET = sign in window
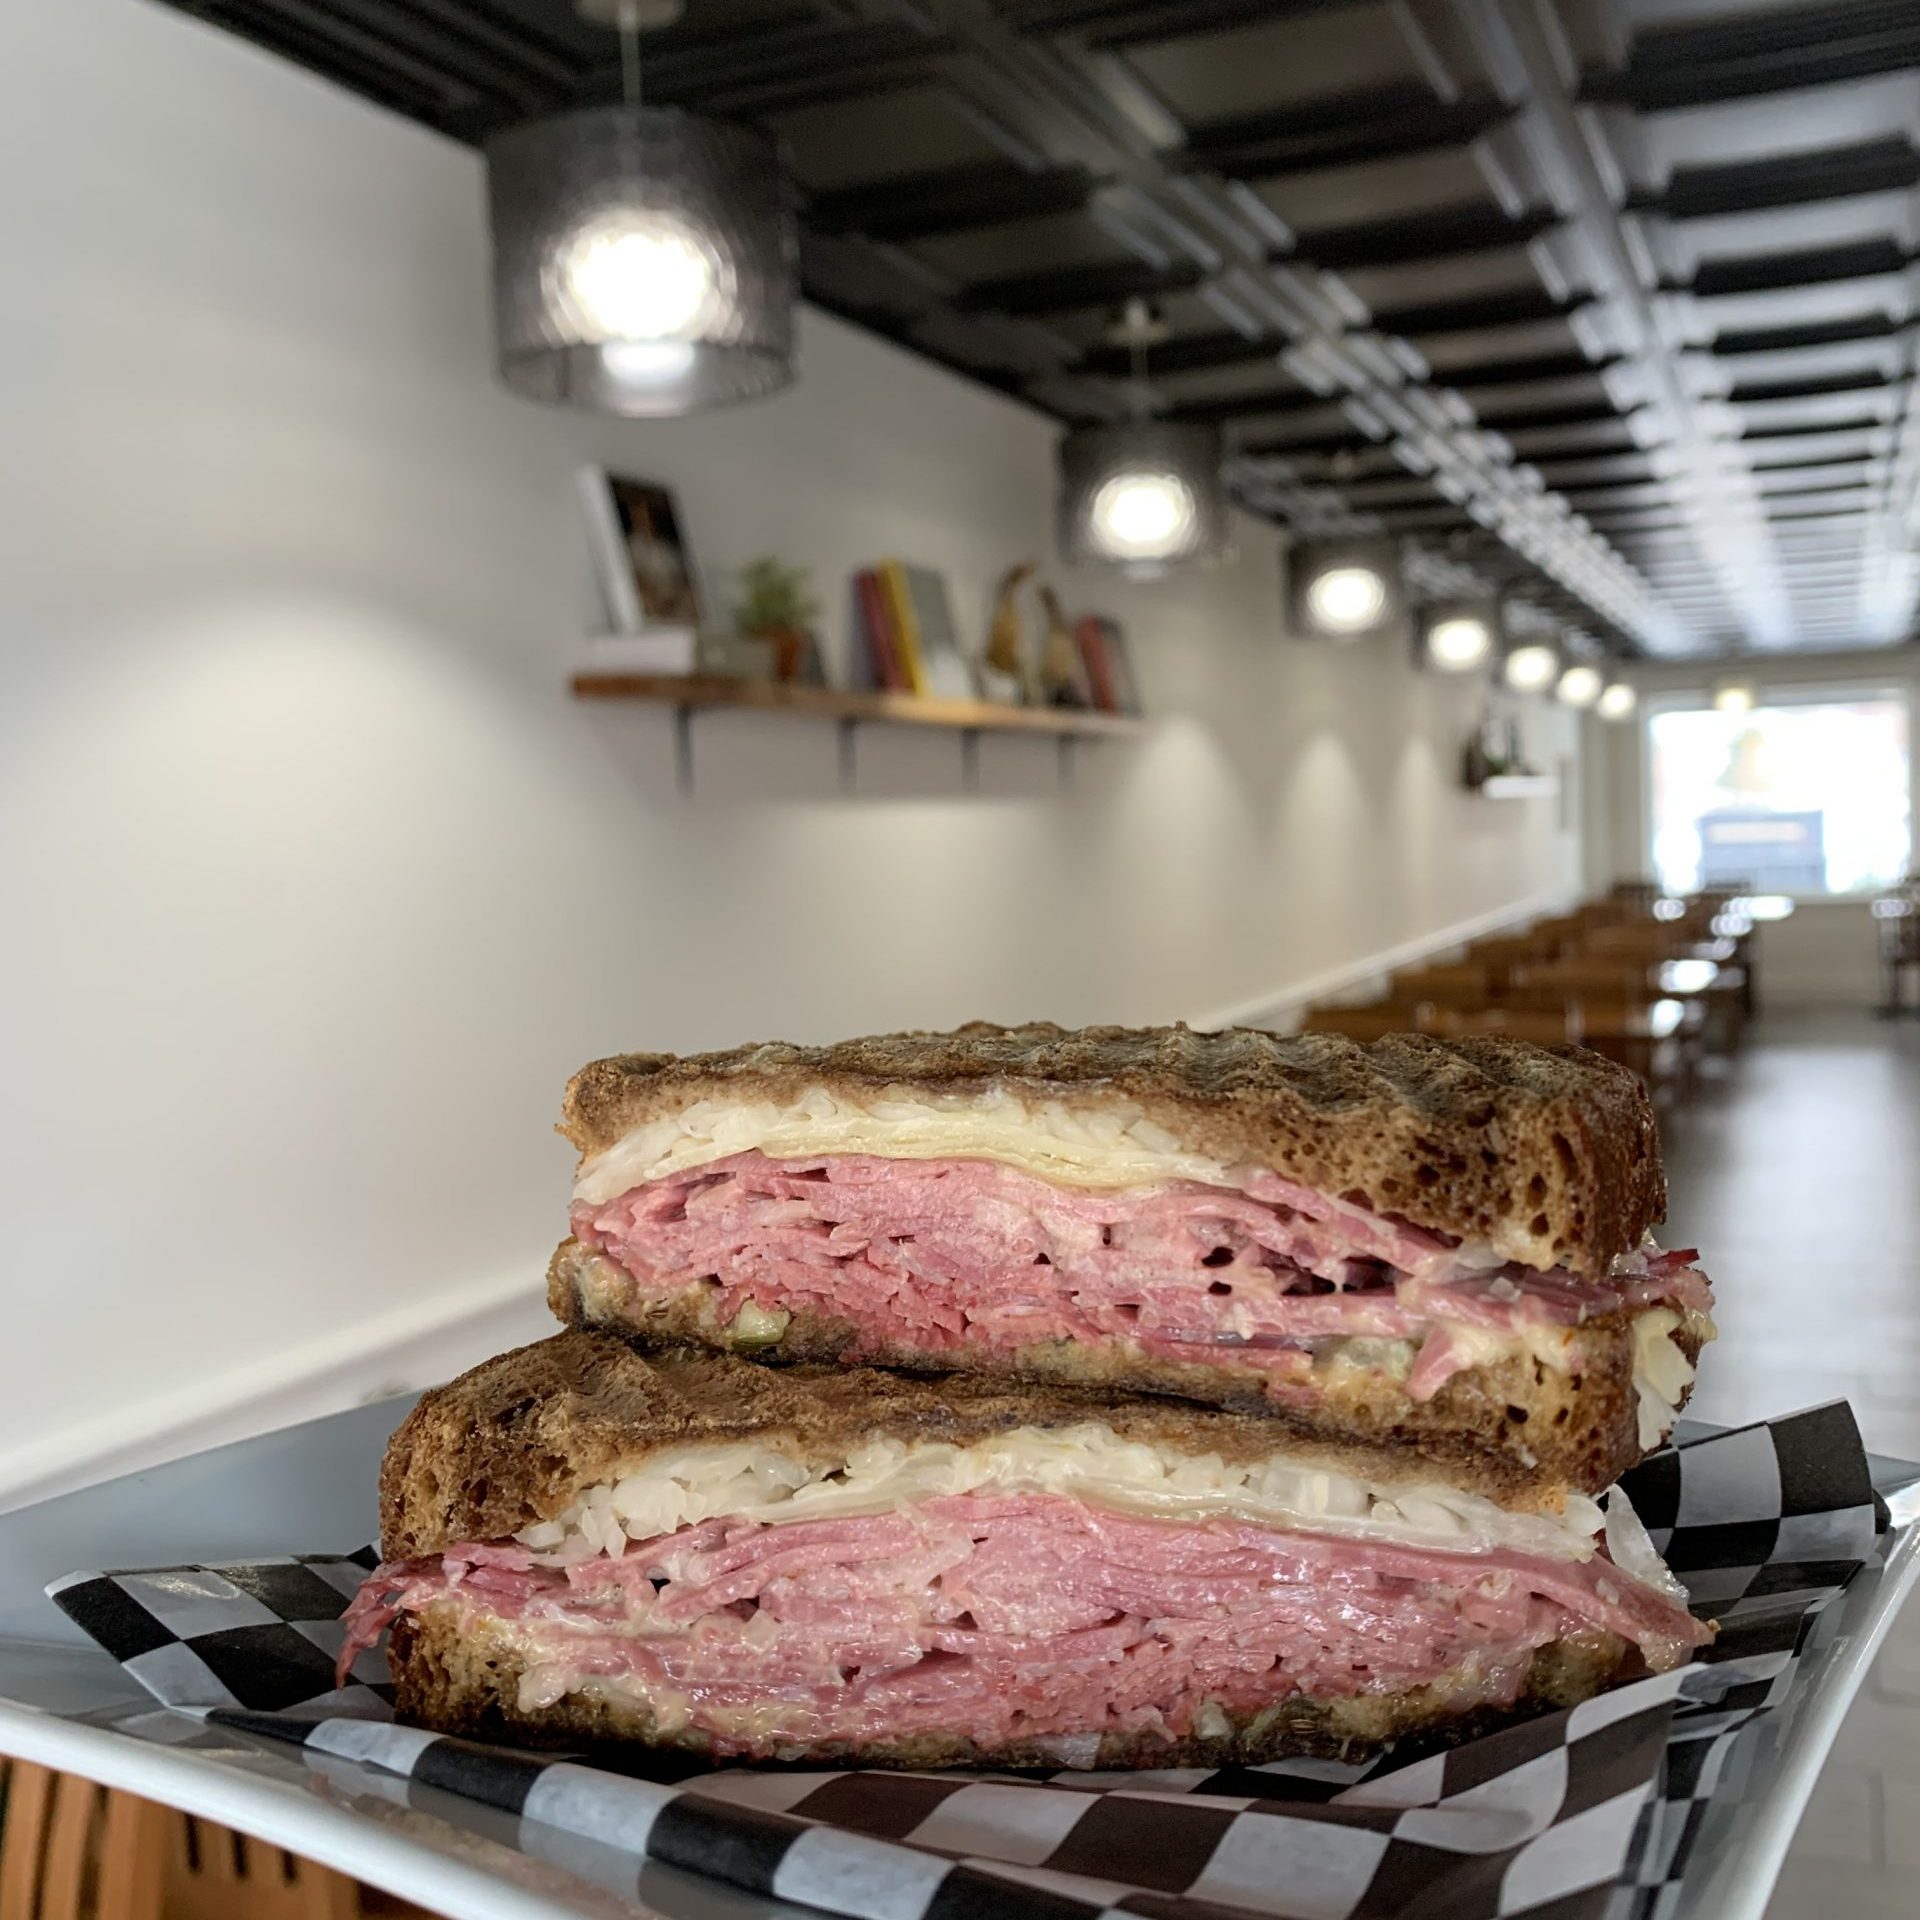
x: 1794, y: 797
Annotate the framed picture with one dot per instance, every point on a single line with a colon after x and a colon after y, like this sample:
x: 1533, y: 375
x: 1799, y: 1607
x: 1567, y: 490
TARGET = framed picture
x: 640, y: 553
x: 656, y: 551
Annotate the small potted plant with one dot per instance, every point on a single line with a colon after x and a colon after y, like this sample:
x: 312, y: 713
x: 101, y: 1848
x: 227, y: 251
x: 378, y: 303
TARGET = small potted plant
x: 777, y: 605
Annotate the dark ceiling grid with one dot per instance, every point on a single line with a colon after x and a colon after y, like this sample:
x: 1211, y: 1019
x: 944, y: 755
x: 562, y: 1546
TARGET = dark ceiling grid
x: 1621, y: 319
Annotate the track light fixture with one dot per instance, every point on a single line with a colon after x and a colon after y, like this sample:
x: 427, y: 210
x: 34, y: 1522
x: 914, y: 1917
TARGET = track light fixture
x: 1341, y: 589
x: 1733, y: 696
x: 1617, y: 701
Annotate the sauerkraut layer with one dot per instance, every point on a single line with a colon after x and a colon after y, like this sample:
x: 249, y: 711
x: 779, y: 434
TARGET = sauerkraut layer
x: 687, y: 1485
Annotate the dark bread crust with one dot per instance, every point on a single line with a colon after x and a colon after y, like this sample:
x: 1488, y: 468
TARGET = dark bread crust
x: 518, y: 1437
x: 1519, y: 1432
x: 454, y: 1676
x: 1483, y: 1137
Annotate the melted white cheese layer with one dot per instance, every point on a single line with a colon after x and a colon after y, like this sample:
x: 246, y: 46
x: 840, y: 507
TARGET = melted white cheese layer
x: 743, y: 1480
x: 1111, y: 1146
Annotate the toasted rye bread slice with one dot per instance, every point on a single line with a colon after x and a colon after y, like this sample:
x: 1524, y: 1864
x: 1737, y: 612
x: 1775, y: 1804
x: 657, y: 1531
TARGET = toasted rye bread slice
x: 1548, y: 1152
x: 1519, y: 1431
x: 518, y: 1438
x: 460, y: 1673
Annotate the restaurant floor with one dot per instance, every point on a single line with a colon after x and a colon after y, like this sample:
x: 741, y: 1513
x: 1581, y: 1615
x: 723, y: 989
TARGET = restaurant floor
x: 1797, y: 1174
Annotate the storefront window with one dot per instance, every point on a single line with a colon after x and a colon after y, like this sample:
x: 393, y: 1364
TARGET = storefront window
x: 1807, y: 796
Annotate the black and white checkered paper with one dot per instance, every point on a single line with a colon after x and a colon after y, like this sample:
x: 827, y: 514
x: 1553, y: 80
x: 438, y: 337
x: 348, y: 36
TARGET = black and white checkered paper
x: 1580, y: 1814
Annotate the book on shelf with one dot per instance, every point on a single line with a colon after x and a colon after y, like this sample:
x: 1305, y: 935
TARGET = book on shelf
x: 876, y: 659
x: 1103, y: 656
x: 943, y: 670
x: 901, y: 625
x: 1089, y: 636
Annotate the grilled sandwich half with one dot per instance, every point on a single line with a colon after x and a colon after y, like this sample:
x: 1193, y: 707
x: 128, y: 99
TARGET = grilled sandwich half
x: 584, y: 1544
x: 1441, y: 1246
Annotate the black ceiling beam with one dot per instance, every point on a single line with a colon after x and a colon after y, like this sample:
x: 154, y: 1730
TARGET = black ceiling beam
x: 1405, y: 241
x: 814, y: 61
x: 1631, y: 493
x: 378, y: 59
x: 1534, y: 443
x: 1772, y: 52
x: 1778, y: 272
x: 1476, y: 313
x: 1596, y: 470
x: 1799, y: 476
x: 1555, y: 414
x: 1351, y: 441
x: 1119, y: 23
x: 1185, y: 353
x: 1068, y: 289
x: 920, y: 206
x: 1814, y: 387
x: 1441, y: 517
x: 1383, y: 123
x: 1816, y: 333
x: 1817, y: 429
x: 1521, y: 371
x: 1784, y: 180
x: 1218, y: 408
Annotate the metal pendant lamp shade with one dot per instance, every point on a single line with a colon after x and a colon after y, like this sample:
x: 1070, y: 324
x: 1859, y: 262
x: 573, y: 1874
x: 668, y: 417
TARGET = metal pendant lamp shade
x: 1143, y: 495
x: 643, y: 260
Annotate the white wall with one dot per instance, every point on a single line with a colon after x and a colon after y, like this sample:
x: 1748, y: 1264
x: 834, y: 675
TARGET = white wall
x: 317, y: 883
x: 1826, y: 954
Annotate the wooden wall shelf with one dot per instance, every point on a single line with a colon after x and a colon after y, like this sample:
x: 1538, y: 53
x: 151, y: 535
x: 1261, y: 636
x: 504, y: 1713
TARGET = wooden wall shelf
x: 688, y: 694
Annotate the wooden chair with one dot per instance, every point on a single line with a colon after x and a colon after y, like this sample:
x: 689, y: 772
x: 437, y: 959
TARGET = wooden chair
x: 1468, y: 986
x: 1653, y: 1038
x: 1562, y: 981
x: 1501, y: 953
x: 1542, y: 1026
x: 212, y: 1873
x: 73, y: 1850
x: 1362, y: 1023
x: 1645, y: 940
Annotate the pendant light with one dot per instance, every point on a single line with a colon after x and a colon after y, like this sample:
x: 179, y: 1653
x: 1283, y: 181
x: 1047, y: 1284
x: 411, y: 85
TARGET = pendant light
x: 643, y: 258
x: 1343, y: 589
x: 1142, y: 494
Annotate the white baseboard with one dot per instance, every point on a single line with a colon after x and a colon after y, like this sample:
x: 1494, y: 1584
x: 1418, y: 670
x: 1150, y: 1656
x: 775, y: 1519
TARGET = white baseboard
x: 402, y: 1352
x: 1281, y: 1007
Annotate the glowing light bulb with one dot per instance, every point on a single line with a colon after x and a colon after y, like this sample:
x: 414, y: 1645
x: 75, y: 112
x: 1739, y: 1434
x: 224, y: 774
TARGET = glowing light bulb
x: 1616, y: 702
x: 634, y: 276
x: 1580, y: 685
x: 1531, y: 668
x: 1346, y: 599
x: 1458, y: 643
x: 1142, y: 516
x: 648, y: 363
x: 1734, y: 697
